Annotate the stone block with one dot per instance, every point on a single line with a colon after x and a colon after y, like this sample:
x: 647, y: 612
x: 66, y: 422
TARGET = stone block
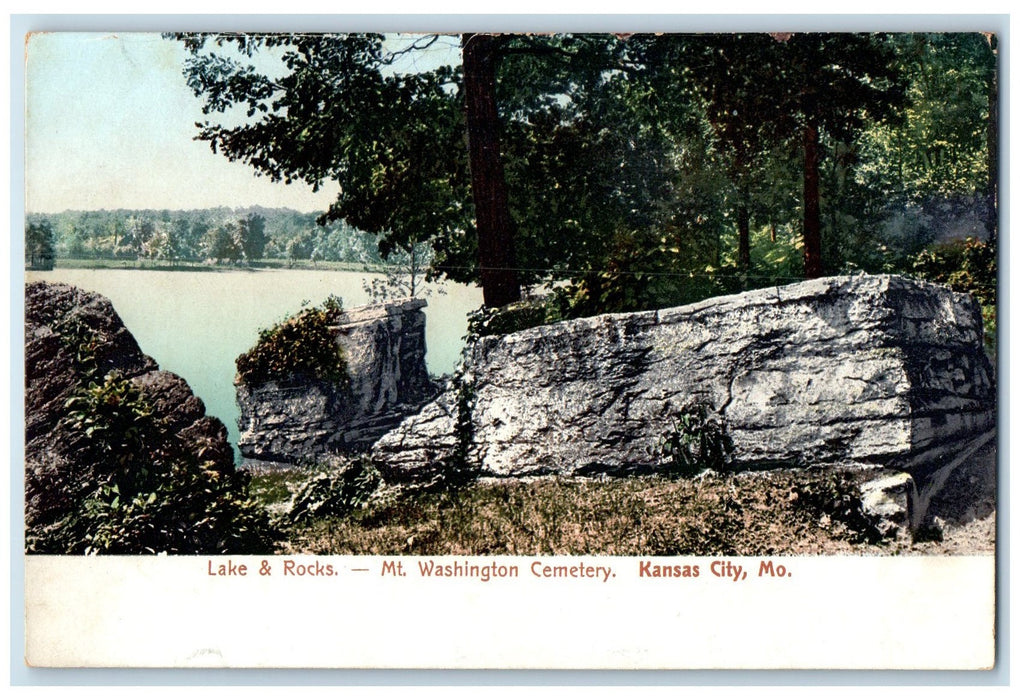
x: 861, y: 371
x: 299, y: 421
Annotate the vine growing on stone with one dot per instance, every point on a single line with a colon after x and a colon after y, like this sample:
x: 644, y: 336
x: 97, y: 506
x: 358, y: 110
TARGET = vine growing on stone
x: 303, y: 346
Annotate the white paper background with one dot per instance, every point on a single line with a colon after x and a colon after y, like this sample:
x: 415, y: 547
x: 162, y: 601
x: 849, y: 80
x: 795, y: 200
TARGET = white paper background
x: 835, y: 613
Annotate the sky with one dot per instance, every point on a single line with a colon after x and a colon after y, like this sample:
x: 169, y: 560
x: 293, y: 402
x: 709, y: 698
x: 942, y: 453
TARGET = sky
x: 110, y: 123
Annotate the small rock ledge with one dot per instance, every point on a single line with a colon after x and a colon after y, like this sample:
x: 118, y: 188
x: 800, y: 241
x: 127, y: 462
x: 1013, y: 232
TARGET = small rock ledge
x: 300, y: 421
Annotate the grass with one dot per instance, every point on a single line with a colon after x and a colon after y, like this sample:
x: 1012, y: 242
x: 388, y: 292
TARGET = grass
x: 718, y: 514
x: 273, y: 487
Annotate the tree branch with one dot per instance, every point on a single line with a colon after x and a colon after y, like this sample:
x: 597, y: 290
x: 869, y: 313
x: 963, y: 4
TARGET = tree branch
x: 414, y: 46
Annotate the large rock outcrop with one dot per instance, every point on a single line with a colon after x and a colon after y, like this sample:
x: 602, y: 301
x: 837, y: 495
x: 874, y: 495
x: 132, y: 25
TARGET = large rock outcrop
x: 73, y: 337
x: 873, y: 371
x: 298, y: 421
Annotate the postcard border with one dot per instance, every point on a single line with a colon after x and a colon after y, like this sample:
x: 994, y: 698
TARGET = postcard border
x: 20, y: 675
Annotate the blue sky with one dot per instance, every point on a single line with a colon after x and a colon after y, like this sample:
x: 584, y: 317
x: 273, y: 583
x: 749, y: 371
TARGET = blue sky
x: 110, y: 124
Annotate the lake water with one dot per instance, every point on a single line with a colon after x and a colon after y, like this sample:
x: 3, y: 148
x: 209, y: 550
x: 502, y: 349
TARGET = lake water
x: 195, y: 324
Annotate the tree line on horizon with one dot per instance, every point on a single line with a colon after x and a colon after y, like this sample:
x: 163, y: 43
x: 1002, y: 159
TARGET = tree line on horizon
x: 219, y: 235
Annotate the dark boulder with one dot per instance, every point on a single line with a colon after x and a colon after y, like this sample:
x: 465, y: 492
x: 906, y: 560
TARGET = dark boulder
x: 74, y: 339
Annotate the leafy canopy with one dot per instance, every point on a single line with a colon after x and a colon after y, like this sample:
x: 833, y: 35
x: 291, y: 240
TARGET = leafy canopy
x: 633, y: 165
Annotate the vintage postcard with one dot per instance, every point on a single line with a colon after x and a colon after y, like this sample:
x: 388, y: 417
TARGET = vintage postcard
x: 558, y: 350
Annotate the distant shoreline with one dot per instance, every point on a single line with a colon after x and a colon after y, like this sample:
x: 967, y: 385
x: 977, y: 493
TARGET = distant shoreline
x: 188, y: 266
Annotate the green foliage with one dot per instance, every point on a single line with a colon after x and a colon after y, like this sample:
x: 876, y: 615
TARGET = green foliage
x: 237, y: 239
x: 511, y: 318
x: 696, y: 441
x: 340, y: 107
x: 335, y: 492
x: 634, y: 168
x: 969, y: 266
x: 652, y: 270
x: 116, y: 424
x: 274, y: 487
x: 629, y: 281
x: 191, y: 510
x: 940, y: 147
x: 40, y: 248
x: 597, y: 162
x: 461, y: 470
x: 252, y: 234
x: 301, y: 247
x: 230, y: 236
x: 221, y: 243
x: 835, y: 497
x: 989, y: 317
x: 141, y: 493
x: 81, y: 342
x: 303, y: 346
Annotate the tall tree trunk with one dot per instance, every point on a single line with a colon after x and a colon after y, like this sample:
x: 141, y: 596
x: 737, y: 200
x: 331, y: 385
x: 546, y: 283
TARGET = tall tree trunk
x: 496, y: 261
x: 812, y: 207
x: 743, y: 235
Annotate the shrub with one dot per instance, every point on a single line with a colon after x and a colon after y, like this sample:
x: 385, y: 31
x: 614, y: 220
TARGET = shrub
x: 696, y: 441
x: 337, y: 492
x: 303, y: 346
x: 190, y: 509
x: 139, y: 492
x: 836, y: 496
x: 512, y: 317
x: 968, y: 266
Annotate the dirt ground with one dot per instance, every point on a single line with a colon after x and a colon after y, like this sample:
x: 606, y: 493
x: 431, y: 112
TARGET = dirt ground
x: 967, y: 507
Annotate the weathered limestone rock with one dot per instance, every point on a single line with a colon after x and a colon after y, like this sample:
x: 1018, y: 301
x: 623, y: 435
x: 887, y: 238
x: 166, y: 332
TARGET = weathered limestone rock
x: 59, y: 321
x: 384, y: 345
x: 887, y: 502
x: 868, y: 371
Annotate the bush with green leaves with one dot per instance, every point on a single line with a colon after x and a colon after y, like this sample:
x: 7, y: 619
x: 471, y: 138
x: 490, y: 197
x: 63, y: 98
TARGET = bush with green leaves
x: 139, y: 491
x: 966, y: 266
x: 335, y: 492
x: 190, y: 509
x: 969, y: 266
x: 837, y: 497
x: 115, y: 427
x: 696, y: 441
x: 301, y: 347
x: 519, y: 316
